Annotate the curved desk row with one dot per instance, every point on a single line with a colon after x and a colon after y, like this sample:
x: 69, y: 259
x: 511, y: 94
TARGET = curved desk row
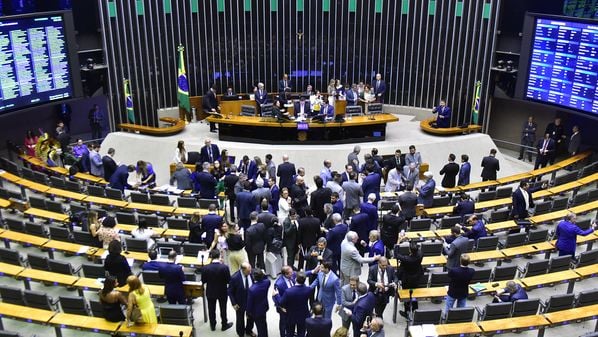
x: 426, y: 126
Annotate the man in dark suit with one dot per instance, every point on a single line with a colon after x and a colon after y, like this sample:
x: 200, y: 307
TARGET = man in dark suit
x: 522, y: 201
x: 248, y: 167
x: 261, y: 95
x: 295, y: 302
x: 209, y: 104
x: 265, y: 216
x: 285, y: 281
x: 230, y: 181
x: 360, y: 224
x: 382, y: 281
x: 458, y: 289
x: 209, y: 152
x: 206, y: 181
x: 284, y: 84
x: 396, y: 162
x: 528, y: 137
x: 335, y: 237
x: 444, y: 115
x: 464, y: 206
x: 490, y: 166
x: 302, y: 108
x: 174, y: 277
x: 456, y: 248
x: 369, y: 207
x: 245, y: 205
x: 216, y: 277
x: 408, y: 203
x: 121, y: 175
x: 307, y: 234
x: 298, y: 194
x: 352, y: 96
x: 319, y: 198
x: 109, y: 164
x: 318, y: 326
x: 392, y: 224
x: 255, y: 242
x: 464, y: 171
x: 546, y: 148
x: 379, y: 87
x: 210, y: 222
x: 371, y: 183
x: 574, y: 142
x: 557, y: 133
x: 426, y: 191
x: 318, y: 254
x: 362, y: 308
x: 285, y: 171
x: 450, y: 172
x: 240, y: 283
x: 257, y: 302
x: 290, y: 226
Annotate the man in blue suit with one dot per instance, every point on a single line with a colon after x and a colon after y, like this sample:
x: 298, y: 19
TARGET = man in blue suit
x: 248, y: 167
x: 362, y: 308
x: 379, y: 87
x: 245, y: 203
x: 375, y: 246
x: 174, y: 277
x: 318, y: 325
x: 302, y: 109
x: 238, y: 288
x: 522, y: 202
x: 284, y: 282
x: 444, y: 115
x: 295, y: 302
x: 284, y: 84
x: 210, y: 222
x: 360, y: 223
x: 546, y: 148
x: 209, y: 152
x: 209, y: 104
x: 426, y: 192
x: 567, y: 232
x: 335, y: 237
x: 121, y: 175
x: 326, y: 112
x: 371, y: 210
x: 352, y: 96
x: 216, y: 277
x: 257, y: 302
x: 329, y: 288
x: 261, y: 95
x: 464, y: 206
x: 206, y: 182
x: 464, y: 171
x: 382, y: 281
x: 371, y: 183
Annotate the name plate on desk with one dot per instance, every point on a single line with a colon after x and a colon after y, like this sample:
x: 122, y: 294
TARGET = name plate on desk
x: 302, y: 126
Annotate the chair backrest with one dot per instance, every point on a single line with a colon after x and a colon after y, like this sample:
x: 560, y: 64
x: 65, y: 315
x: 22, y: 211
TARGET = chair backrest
x: 525, y: 307
x: 60, y: 267
x: 193, y: 157
x: 441, y: 201
x: 186, y: 202
x: 587, y: 297
x: 580, y: 198
x: 542, y: 207
x: 136, y: 245
x: 481, y: 275
x: 559, y: 263
x: 515, y: 240
x: 96, y: 191
x: 587, y: 258
x: 584, y: 224
x: 504, y: 273
x: 40, y: 177
x: 36, y: 202
x: 57, y: 182
x: 559, y: 302
x: 151, y: 220
x: 487, y: 243
x: 593, y: 195
x: 191, y: 249
x: 93, y: 270
x: 15, y: 225
x: 560, y: 203
x: 470, y: 245
x: 96, y: 307
x: 500, y: 215
x: 176, y: 223
x: 504, y: 192
x: 27, y: 173
x: 496, y: 311
x: 139, y: 197
x: 59, y: 233
x: 423, y: 281
x: 177, y: 314
x: 534, y: 268
x: 487, y: 195
x: 566, y: 178
x: 72, y: 186
x: 151, y: 277
x: 160, y: 199
x: 83, y: 238
x: 205, y: 203
x: 439, y: 279
x: 113, y: 193
x: 37, y: 261
x: 459, y: 315
x: 537, y: 235
x: 450, y: 221
x: 37, y: 299
x: 426, y: 316
x: 35, y: 229
x: 4, y: 333
x: 54, y: 206
x: 401, y: 249
x: 126, y: 218
x: 11, y: 256
x: 75, y: 305
x: 431, y: 248
x: 12, y: 295
x: 420, y: 224
x: 78, y: 208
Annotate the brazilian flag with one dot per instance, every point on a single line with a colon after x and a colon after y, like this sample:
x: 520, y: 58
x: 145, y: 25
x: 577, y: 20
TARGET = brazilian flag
x: 182, y: 83
x: 129, y: 102
x: 475, y: 109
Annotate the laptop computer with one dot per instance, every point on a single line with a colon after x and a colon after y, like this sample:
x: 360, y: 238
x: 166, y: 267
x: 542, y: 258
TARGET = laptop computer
x: 163, y: 253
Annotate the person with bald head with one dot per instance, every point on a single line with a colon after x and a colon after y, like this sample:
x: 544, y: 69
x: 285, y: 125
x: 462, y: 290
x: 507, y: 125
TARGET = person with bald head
x: 209, y: 152
x: 351, y: 260
x: 238, y: 289
x: 285, y: 281
x: 298, y: 194
x: 382, y: 281
x: 286, y: 171
x: 426, y: 191
x: 379, y: 87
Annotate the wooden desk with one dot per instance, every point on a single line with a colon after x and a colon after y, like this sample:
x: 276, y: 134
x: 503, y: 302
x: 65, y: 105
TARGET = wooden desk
x: 514, y: 323
x: 426, y: 126
x: 479, y: 185
x: 573, y: 160
x: 25, y: 313
x: 587, y: 271
x: 95, y: 324
x: 551, y: 278
x: 156, y: 330
x: 514, y: 178
x: 438, y: 211
x: 428, y: 261
x: 570, y: 315
x: 419, y: 293
x: 125, y: 228
x: 105, y: 201
x: 528, y: 249
x: 483, y: 205
x: 457, y: 329
x: 66, y: 194
x: 189, y: 211
x: 7, y: 269
x: 155, y: 131
x: 4, y: 203
x: 42, y: 213
x: 86, y: 283
x: 47, y: 276
x: 538, y: 219
x: 68, y: 247
x: 91, y: 178
x: 501, y: 226
x: 150, y: 208
x: 486, y: 256
x: 256, y: 129
x: 564, y: 187
x: 589, y: 179
x: 23, y: 238
x: 176, y: 233
x: 31, y: 185
x: 10, y: 177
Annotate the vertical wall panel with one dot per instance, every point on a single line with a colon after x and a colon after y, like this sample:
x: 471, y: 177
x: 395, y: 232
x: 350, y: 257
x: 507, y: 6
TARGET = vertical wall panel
x: 424, y: 49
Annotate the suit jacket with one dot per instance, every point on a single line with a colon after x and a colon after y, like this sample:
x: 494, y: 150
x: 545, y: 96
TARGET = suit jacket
x: 574, y: 144
x: 352, y: 97
x: 318, y: 326
x: 346, y: 300
x: 317, y: 200
x: 408, y: 203
x: 312, y: 261
x: 372, y: 211
x: 96, y: 167
x: 109, y: 167
x: 281, y: 286
x: 298, y: 195
x: 236, y: 290
x: 490, y: 166
x: 410, y: 271
x: 261, y: 193
x: 203, y: 153
x: 556, y: 131
x: 426, y: 193
x: 377, y: 248
x: 306, y: 109
x: 373, y: 279
x: 464, y: 207
x: 379, y: 87
x: 119, y: 178
x: 266, y: 218
x: 209, y: 101
x: 519, y: 207
x: 550, y: 146
x: 360, y: 224
x: 261, y: 96
x: 255, y: 238
x: 335, y: 237
x: 245, y: 204
x: 295, y: 300
x: 286, y: 171
x: 353, y: 193
x: 351, y: 261
x: 413, y: 158
x: 450, y: 171
x: 412, y: 177
x: 209, y: 223
x: 257, y: 298
x: 289, y: 237
x: 371, y: 184
x: 444, y: 116
x: 174, y: 277
x: 566, y: 233
x: 456, y: 248
x: 529, y: 131
x: 362, y: 308
x: 282, y: 86
x: 330, y: 293
x: 207, y: 185
x: 250, y: 169
x: 308, y: 232
x: 464, y: 173
x: 390, y: 228
x: 216, y: 277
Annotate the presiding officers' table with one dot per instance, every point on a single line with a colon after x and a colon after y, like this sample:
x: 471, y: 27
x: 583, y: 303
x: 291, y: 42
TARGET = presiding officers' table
x: 268, y: 130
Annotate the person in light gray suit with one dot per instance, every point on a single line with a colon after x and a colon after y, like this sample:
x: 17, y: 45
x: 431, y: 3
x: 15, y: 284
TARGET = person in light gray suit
x: 348, y: 297
x: 182, y: 177
x: 261, y: 192
x: 410, y: 175
x: 456, y: 248
x: 413, y: 157
x: 353, y: 194
x: 351, y: 261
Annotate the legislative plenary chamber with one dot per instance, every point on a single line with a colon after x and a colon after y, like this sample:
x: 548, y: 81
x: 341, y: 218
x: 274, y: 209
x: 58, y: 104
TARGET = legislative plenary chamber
x: 298, y: 168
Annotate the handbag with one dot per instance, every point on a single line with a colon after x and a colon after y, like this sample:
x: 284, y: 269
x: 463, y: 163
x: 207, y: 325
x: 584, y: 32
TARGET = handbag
x: 136, y: 315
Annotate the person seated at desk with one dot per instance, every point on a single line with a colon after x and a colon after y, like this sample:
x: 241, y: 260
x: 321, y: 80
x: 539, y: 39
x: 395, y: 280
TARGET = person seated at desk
x: 511, y: 293
x: 283, y: 98
x: 309, y: 91
x: 279, y: 112
x: 229, y: 92
x: 326, y: 112
x: 210, y: 106
x: 302, y: 109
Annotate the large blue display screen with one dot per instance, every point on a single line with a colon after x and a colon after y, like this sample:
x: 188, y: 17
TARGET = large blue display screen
x: 563, y: 68
x: 34, y: 62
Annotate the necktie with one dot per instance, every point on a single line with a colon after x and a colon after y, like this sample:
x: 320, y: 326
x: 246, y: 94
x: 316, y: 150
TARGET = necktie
x: 246, y: 282
x: 544, y: 146
x: 354, y: 295
x: 285, y: 84
x: 210, y: 154
x: 382, y: 276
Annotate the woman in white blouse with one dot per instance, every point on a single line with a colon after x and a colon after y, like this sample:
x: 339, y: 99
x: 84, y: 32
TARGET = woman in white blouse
x: 180, y: 153
x: 284, y: 204
x: 143, y: 233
